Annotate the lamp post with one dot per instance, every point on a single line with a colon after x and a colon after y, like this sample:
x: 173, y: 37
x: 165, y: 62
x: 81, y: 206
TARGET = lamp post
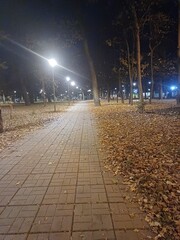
x: 73, y: 84
x: 68, y: 79
x: 52, y: 62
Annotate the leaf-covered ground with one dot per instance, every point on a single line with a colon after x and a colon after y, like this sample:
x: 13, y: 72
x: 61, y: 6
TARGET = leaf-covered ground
x: 145, y: 149
x: 24, y: 119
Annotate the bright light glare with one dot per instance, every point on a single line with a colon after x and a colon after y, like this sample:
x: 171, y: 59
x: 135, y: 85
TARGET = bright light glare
x: 134, y: 84
x: 173, y: 88
x: 89, y: 90
x: 73, y: 83
x: 149, y: 82
x: 68, y: 79
x: 29, y: 50
x: 52, y: 62
x: 77, y: 87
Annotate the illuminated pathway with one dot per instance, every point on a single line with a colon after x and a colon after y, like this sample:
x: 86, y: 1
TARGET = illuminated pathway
x: 53, y: 186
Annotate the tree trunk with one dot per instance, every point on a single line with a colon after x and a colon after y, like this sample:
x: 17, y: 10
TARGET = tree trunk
x: 138, y: 49
x: 24, y: 93
x: 43, y: 92
x: 130, y: 74
x: 178, y: 95
x: 1, y: 122
x: 108, y: 93
x: 93, y: 74
x: 152, y: 77
x: 160, y: 90
x: 31, y: 97
x: 117, y: 92
x: 120, y: 88
x: 139, y: 67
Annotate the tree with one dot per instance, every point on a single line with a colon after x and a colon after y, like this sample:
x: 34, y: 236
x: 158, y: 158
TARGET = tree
x: 93, y: 73
x: 158, y: 27
x: 1, y: 122
x: 178, y: 96
x: 138, y: 51
x: 83, y: 32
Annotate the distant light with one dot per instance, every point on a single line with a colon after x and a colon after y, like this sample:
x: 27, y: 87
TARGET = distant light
x: 52, y: 62
x: 149, y: 82
x: 135, y: 91
x: 14, y: 91
x: 134, y: 84
x: 89, y: 90
x: 65, y: 91
x: 115, y: 89
x: 122, y: 85
x: 68, y: 79
x: 77, y: 87
x: 173, y: 88
x: 149, y: 89
x: 41, y: 91
x: 73, y: 83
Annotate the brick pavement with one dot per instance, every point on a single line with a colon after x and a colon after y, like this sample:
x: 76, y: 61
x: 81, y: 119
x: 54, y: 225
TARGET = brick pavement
x: 53, y: 186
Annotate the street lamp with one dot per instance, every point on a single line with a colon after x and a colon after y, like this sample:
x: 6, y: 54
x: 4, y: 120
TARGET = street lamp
x: 52, y: 62
x: 68, y: 79
x: 73, y: 83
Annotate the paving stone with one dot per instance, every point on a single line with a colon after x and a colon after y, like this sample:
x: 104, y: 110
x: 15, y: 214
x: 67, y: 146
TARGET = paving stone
x: 119, y: 208
x: 38, y: 180
x: 49, y: 236
x: 53, y: 218
x: 92, y: 217
x: 29, y: 196
x: 13, y: 237
x: 17, y: 219
x: 48, y: 167
x: 95, y: 235
x: 6, y: 194
x: 89, y: 167
x: 114, y: 193
x: 21, y: 169
x: 13, y: 180
x: 1, y: 209
x: 92, y: 178
x: 64, y: 179
x: 71, y: 167
x: 61, y: 194
x: 91, y: 193
x: 110, y: 179
x: 127, y: 235
x: 89, y: 158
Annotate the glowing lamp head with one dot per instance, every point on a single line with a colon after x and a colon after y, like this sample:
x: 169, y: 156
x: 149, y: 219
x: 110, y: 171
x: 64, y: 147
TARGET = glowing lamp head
x: 52, y: 62
x: 72, y: 83
x: 68, y: 79
x: 173, y: 88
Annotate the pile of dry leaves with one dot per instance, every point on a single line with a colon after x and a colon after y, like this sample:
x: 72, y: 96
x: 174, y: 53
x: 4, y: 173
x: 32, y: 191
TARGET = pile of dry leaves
x: 145, y: 149
x: 24, y: 119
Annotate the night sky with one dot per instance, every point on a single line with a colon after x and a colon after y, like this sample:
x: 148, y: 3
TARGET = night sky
x: 48, y: 27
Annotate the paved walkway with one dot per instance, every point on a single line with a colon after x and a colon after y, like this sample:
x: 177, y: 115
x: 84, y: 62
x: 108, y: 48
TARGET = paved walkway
x: 53, y: 186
